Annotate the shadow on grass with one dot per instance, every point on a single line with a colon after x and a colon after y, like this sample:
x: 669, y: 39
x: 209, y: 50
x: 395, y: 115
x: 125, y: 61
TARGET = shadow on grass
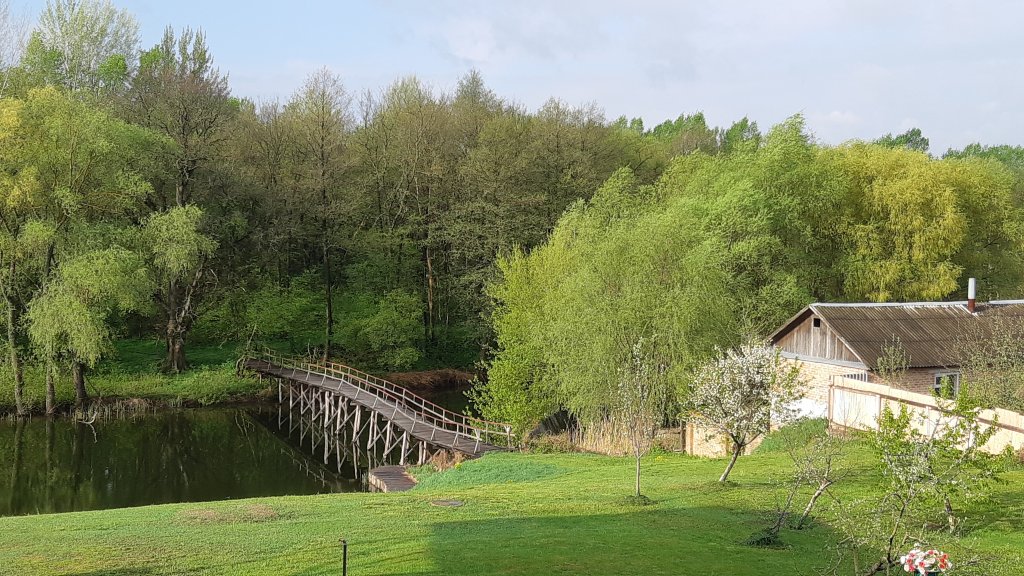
x: 704, y: 541
x: 1003, y: 512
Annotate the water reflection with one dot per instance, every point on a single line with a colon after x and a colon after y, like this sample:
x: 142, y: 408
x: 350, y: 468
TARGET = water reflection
x: 49, y: 465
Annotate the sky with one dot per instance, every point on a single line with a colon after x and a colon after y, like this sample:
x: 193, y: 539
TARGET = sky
x: 854, y: 69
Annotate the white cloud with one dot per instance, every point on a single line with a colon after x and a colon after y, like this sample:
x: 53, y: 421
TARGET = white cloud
x: 470, y: 39
x: 841, y: 118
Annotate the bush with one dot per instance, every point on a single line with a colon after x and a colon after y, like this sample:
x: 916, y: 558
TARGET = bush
x: 799, y: 433
x: 394, y: 333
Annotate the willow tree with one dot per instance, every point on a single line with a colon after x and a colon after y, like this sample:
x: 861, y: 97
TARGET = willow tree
x: 63, y: 167
x: 70, y: 321
x: 177, y: 252
x: 616, y: 271
x: 918, y: 224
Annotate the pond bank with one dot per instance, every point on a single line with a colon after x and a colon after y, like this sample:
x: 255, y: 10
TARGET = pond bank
x: 203, y: 386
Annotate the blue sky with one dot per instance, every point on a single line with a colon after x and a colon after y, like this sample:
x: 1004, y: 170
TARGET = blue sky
x: 855, y: 69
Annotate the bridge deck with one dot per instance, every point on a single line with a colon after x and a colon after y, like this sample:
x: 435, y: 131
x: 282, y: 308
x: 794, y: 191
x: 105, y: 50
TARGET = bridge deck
x: 401, y: 416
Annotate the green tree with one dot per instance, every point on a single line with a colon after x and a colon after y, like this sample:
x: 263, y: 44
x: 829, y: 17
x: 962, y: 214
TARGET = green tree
x: 63, y: 167
x: 912, y: 217
x: 177, y: 251
x: 321, y: 122
x: 931, y: 463
x: 181, y: 95
x: 616, y: 270
x: 912, y: 139
x: 71, y: 319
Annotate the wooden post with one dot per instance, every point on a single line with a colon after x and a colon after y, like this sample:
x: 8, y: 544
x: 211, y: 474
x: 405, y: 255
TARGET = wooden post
x: 371, y: 439
x: 355, y: 425
x: 387, y: 439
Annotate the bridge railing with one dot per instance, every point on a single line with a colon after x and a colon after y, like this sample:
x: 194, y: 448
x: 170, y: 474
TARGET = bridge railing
x: 473, y: 429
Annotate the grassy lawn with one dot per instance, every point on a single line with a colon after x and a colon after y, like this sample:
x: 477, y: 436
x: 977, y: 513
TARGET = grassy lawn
x: 133, y: 371
x: 522, y: 514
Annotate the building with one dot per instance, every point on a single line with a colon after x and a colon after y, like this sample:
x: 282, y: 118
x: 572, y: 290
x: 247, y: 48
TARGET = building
x: 829, y: 340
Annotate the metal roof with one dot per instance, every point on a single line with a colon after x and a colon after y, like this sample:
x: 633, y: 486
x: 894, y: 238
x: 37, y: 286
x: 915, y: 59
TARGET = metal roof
x: 930, y: 332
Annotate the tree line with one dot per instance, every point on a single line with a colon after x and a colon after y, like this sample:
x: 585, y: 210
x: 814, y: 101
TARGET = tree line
x: 143, y: 199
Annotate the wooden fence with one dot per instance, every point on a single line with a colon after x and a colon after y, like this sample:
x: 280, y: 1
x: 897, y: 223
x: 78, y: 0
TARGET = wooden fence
x: 857, y: 405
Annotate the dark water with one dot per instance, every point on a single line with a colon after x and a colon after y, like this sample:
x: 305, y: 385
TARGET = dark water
x: 60, y: 465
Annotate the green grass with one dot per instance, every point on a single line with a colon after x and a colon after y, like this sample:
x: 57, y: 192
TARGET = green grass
x: 522, y: 515
x: 133, y: 371
x: 147, y: 355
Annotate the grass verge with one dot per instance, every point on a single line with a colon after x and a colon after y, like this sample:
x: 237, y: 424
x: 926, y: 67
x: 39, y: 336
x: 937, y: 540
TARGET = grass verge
x: 521, y: 515
x: 133, y: 371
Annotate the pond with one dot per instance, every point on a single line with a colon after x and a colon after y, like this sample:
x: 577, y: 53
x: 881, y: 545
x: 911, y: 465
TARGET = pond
x: 185, y: 455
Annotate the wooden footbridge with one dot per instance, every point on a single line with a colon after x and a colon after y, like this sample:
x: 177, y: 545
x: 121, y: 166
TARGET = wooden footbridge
x: 394, y: 423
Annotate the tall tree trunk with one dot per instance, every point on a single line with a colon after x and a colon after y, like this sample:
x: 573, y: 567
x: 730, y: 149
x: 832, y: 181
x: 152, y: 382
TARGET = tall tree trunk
x: 51, y: 391
x: 736, y: 450
x: 15, y: 356
x: 48, y: 456
x: 175, y: 362
x: 429, y: 281
x: 328, y: 300
x: 78, y: 377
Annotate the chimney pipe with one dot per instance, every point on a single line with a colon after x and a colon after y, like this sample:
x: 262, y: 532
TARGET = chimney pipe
x: 972, y: 287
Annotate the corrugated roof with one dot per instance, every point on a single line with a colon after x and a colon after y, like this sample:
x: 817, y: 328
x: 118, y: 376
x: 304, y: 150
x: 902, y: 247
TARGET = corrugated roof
x: 929, y: 332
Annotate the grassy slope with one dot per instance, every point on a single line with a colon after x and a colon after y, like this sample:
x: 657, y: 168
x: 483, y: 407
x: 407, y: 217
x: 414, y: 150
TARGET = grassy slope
x: 133, y: 371
x: 523, y: 514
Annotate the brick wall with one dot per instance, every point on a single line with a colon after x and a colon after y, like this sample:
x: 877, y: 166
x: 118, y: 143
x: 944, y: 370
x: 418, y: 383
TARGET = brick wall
x: 818, y: 377
x: 711, y: 444
x: 919, y: 380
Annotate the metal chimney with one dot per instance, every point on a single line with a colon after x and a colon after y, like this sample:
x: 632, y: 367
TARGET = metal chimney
x: 972, y: 288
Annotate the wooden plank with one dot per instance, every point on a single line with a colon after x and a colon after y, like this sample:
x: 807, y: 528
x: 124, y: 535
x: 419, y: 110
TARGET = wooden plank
x: 391, y: 479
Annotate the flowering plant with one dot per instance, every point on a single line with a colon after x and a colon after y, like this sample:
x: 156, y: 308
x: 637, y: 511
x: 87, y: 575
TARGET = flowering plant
x: 925, y: 561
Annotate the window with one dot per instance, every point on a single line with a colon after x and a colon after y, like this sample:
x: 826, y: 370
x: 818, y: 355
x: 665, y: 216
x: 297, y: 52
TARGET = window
x: 947, y: 384
x: 816, y: 322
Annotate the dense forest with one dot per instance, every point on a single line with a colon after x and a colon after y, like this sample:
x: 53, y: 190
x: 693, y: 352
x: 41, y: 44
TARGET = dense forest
x: 416, y: 227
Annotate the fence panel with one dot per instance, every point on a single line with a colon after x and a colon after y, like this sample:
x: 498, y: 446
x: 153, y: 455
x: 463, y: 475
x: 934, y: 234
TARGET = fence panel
x: 857, y: 405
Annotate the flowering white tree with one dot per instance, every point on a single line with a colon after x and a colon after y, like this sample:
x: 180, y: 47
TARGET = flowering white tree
x: 13, y: 32
x: 740, y: 392
x: 640, y: 399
